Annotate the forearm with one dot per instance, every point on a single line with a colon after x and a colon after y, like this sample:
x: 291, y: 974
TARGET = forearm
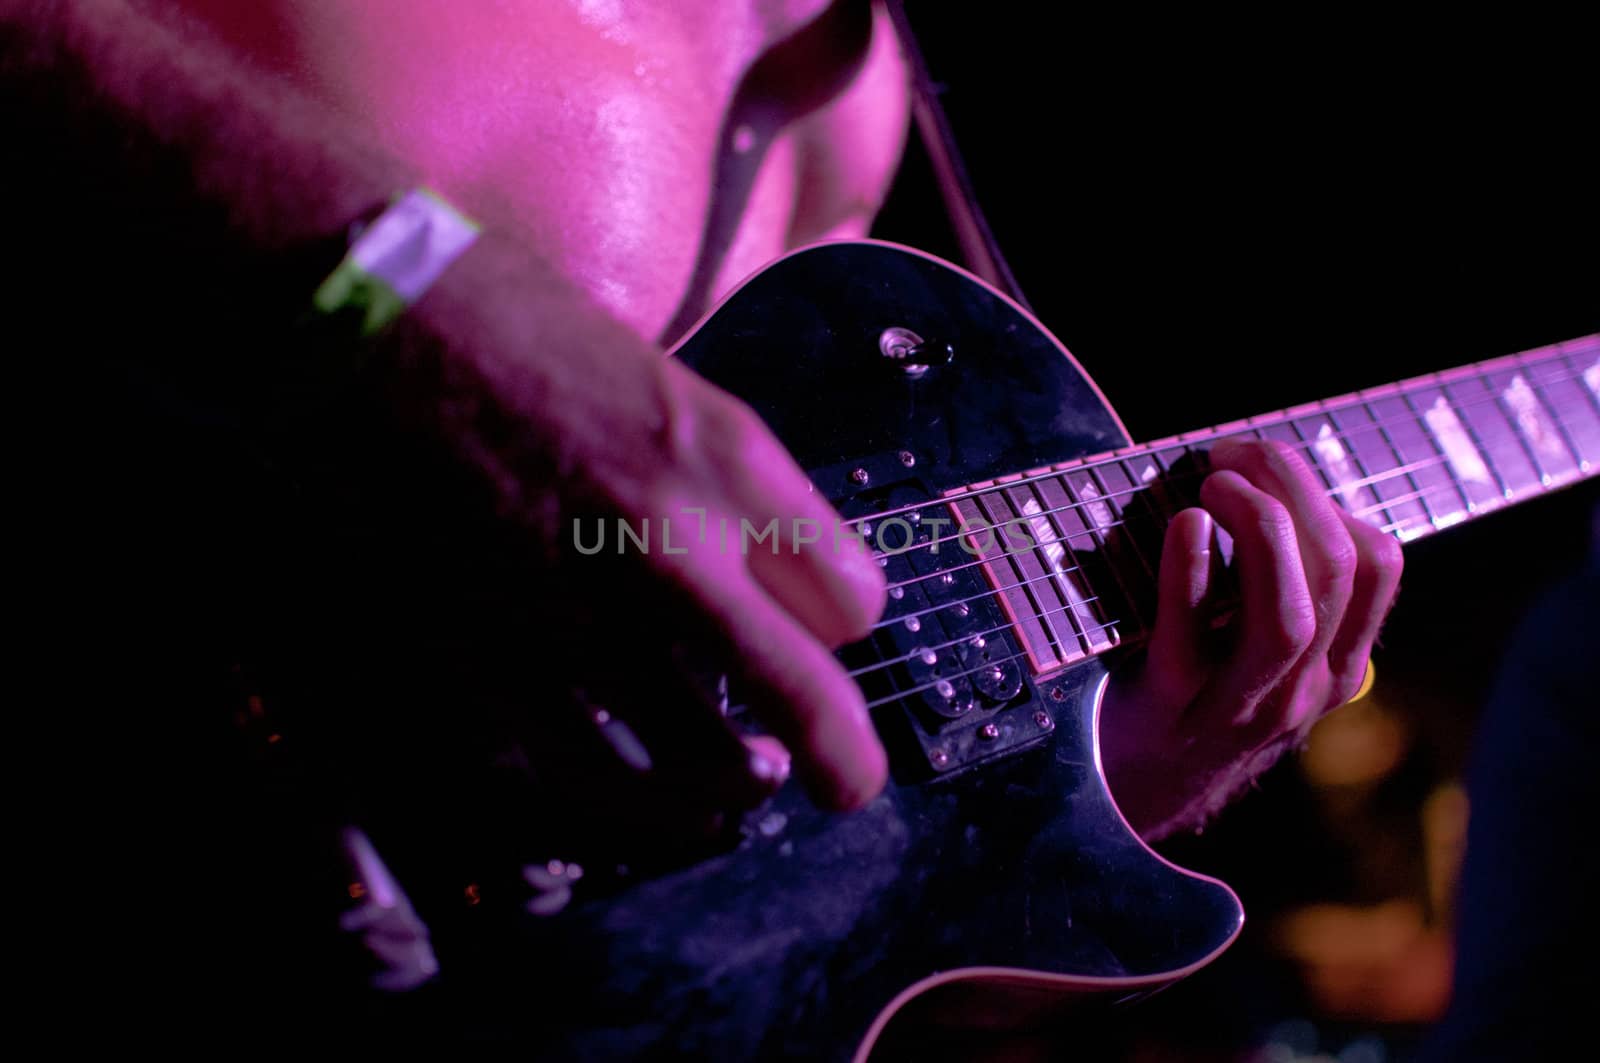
x: 177, y: 209
x: 191, y: 192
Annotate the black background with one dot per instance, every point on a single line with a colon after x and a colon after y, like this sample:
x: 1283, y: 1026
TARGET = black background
x: 1252, y: 212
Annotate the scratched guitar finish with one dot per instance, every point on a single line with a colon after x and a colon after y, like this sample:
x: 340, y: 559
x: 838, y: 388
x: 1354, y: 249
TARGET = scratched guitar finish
x: 994, y: 872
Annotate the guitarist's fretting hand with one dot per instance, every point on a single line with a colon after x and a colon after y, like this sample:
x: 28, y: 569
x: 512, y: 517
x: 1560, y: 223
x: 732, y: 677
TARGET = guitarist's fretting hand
x: 1208, y: 710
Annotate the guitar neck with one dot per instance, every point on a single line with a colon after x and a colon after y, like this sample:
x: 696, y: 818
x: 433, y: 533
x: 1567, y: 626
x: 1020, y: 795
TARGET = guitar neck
x: 1411, y: 458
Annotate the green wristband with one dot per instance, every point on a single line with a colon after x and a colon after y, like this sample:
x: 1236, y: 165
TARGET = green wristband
x: 396, y: 259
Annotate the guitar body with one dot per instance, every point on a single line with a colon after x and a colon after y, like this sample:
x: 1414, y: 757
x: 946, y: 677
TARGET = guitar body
x: 1003, y: 880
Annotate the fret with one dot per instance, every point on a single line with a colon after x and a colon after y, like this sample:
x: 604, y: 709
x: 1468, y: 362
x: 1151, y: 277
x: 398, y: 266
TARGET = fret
x: 1479, y: 409
x: 1584, y: 358
x: 1183, y: 467
x: 1325, y: 448
x: 1543, y: 436
x: 1072, y: 553
x: 988, y: 514
x: 1280, y: 430
x: 1100, y: 534
x: 1169, y: 453
x: 1565, y: 396
x: 1125, y: 500
x: 1463, y: 456
x: 1054, y: 577
x: 1416, y: 449
x: 1082, y: 527
x: 1286, y: 430
x: 1145, y: 507
x: 1394, y: 487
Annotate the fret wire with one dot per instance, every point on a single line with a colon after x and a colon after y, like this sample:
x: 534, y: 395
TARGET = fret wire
x: 1408, y: 470
x: 1361, y: 399
x: 1007, y: 628
x: 1340, y: 432
x: 1042, y: 554
x: 1110, y: 624
x: 1570, y: 361
x: 1335, y: 490
x: 1402, y: 469
x: 1106, y: 493
x: 1440, y: 458
x: 965, y: 565
x: 1036, y: 554
x: 1413, y: 417
x: 1431, y: 436
x: 1338, y: 402
x: 1103, y: 543
x: 1477, y: 436
x: 1052, y: 641
x: 1550, y: 406
x: 1517, y: 430
x: 1394, y: 448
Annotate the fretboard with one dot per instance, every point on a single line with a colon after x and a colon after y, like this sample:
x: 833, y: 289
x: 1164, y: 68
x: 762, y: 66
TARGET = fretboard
x: 1410, y: 458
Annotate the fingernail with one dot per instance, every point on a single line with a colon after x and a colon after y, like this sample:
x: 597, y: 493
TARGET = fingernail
x: 768, y: 770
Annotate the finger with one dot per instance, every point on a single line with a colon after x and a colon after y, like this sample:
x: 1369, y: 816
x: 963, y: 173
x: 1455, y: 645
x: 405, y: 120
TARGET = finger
x: 1379, y: 564
x: 662, y: 720
x: 1323, y: 541
x: 770, y: 758
x: 820, y: 571
x: 797, y: 688
x: 797, y: 547
x: 1175, y: 667
x: 1277, y: 619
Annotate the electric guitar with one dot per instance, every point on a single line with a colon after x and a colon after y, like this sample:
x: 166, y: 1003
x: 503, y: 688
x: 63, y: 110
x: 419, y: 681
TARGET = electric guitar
x: 994, y: 880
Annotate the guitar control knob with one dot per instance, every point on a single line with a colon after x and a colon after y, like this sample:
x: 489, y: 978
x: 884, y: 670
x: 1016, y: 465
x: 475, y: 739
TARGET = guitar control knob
x: 913, y: 353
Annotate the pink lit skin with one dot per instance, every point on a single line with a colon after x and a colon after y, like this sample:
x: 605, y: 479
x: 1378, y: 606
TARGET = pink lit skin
x: 592, y: 125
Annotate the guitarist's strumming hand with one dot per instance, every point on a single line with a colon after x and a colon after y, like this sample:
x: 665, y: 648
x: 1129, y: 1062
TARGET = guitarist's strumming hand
x: 1210, y: 707
x: 558, y: 426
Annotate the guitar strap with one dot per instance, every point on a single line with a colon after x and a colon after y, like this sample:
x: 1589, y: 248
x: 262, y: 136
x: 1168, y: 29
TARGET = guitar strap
x: 979, y: 248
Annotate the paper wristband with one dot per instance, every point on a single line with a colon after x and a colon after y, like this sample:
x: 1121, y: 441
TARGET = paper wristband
x: 396, y: 259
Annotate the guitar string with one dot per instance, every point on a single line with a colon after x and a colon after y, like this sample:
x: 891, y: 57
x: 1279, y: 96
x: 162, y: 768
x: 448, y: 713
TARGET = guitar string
x: 1096, y: 530
x: 1149, y: 450
x: 1130, y: 492
x: 1342, y: 437
x: 1079, y: 630
x: 1080, y: 633
x: 1333, y: 406
x: 1057, y: 571
x: 1083, y: 634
